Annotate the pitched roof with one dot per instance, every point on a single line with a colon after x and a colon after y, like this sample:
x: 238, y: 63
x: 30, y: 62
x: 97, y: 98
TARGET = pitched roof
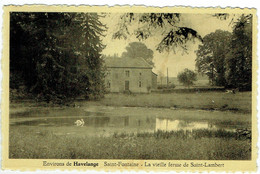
x: 127, y: 63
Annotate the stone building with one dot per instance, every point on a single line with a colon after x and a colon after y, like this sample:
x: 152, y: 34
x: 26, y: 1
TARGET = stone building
x: 129, y: 75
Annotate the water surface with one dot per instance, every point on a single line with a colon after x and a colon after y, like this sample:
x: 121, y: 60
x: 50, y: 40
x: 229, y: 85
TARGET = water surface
x: 106, y: 121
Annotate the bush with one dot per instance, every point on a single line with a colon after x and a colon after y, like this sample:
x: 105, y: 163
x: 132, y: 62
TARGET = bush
x: 187, y: 77
x: 170, y: 86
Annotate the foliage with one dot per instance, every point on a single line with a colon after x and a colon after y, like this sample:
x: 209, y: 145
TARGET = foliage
x: 187, y: 77
x: 159, y: 145
x: 211, y: 56
x: 196, y: 133
x: 164, y: 86
x: 239, y: 59
x: 227, y: 58
x: 57, y: 55
x: 166, y: 24
x: 138, y: 50
x: 221, y: 16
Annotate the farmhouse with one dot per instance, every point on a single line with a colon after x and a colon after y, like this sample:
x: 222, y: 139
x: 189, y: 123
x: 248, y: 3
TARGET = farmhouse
x: 129, y: 74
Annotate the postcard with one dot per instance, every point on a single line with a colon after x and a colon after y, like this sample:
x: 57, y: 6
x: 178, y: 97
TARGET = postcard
x: 129, y: 88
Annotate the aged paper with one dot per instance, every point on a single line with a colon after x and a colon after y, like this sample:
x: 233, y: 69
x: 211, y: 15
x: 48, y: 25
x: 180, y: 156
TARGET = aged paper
x: 129, y: 88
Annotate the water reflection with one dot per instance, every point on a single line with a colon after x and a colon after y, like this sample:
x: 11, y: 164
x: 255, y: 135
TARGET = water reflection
x: 175, y: 125
x: 89, y: 121
x: 108, y: 125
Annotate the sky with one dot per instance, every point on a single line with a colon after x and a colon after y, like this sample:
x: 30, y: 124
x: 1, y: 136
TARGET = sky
x: 175, y: 61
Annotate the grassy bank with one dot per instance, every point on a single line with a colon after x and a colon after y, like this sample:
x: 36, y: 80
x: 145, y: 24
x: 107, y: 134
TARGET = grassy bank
x: 208, y: 100
x: 239, y: 102
x: 174, y: 145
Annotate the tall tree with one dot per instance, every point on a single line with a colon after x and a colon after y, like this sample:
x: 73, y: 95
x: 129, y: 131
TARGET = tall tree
x: 239, y: 61
x: 138, y: 50
x: 57, y: 55
x: 211, y: 56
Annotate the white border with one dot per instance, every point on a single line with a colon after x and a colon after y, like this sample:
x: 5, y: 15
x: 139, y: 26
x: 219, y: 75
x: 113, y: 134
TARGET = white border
x: 156, y: 3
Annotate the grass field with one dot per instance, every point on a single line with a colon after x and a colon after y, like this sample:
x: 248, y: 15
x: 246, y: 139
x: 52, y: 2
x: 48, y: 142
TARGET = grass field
x: 208, y: 100
x: 241, y: 101
x: 206, y: 145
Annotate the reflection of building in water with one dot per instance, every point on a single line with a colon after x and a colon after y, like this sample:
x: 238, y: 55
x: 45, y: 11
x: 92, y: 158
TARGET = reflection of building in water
x: 118, y: 121
x: 132, y: 124
x: 175, y: 125
x: 107, y: 121
x: 97, y: 121
x: 142, y: 124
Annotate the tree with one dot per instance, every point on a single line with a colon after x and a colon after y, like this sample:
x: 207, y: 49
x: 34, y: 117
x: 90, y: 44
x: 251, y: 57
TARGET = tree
x: 44, y: 54
x: 187, y: 77
x: 138, y: 50
x: 167, y: 24
x: 211, y: 56
x: 239, y: 59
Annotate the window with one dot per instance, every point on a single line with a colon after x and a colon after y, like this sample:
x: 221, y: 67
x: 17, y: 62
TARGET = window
x: 127, y: 73
x: 140, y: 84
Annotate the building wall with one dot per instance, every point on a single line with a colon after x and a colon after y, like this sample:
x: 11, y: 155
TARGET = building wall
x: 140, y: 80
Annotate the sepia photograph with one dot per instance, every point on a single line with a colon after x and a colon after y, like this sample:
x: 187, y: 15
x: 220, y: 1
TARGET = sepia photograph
x: 131, y: 85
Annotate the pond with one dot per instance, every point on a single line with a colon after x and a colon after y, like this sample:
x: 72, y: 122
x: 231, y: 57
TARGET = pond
x: 106, y: 121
